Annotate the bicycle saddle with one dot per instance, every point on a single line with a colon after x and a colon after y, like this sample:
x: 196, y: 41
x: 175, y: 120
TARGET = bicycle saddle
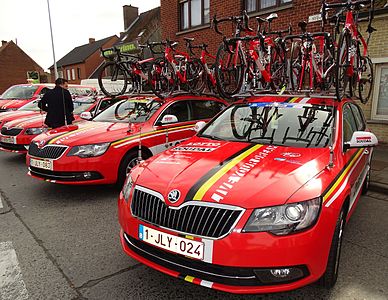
x: 271, y: 17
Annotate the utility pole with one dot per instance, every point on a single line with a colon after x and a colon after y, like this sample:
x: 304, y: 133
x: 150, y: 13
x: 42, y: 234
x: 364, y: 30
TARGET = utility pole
x: 52, y: 41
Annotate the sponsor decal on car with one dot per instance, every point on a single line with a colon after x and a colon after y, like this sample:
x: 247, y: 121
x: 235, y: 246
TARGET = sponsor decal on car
x: 198, y: 147
x: 364, y: 139
x: 291, y: 154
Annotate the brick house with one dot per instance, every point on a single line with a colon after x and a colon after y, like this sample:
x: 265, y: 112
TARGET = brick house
x: 83, y: 60
x: 191, y: 18
x: 14, y: 65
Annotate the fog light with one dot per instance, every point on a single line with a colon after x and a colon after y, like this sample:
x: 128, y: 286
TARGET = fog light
x: 280, y: 273
x: 87, y: 175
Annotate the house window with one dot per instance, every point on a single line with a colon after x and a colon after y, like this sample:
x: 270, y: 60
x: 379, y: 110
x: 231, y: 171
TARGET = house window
x: 79, y: 73
x: 380, y: 93
x: 68, y: 74
x: 194, y: 13
x: 60, y: 74
x: 257, y: 5
x: 72, y: 74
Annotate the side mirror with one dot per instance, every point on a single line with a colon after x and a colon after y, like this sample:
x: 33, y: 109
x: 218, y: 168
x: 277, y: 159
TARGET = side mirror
x: 199, y: 125
x: 168, y: 119
x: 361, y: 139
x: 86, y: 115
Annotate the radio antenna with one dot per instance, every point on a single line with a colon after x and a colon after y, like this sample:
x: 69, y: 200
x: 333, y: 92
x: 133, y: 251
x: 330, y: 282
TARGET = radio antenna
x: 139, y: 155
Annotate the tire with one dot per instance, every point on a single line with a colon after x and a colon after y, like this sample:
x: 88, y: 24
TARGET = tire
x: 196, y: 76
x: 343, y: 82
x: 295, y: 66
x: 127, y: 163
x: 113, y: 79
x: 327, y: 68
x: 365, y: 83
x: 229, y: 78
x: 278, y: 68
x: 162, y: 78
x: 330, y: 276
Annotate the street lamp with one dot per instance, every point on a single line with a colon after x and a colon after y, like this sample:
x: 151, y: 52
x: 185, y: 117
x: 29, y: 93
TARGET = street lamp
x: 52, y: 41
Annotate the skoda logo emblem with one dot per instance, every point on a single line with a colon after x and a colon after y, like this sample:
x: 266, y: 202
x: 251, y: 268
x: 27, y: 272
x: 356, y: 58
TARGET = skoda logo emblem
x: 174, y: 196
x: 41, y: 144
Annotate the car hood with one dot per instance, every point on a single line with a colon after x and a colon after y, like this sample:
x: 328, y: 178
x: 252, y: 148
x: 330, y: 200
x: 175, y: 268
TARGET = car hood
x: 8, y: 104
x: 11, y: 115
x: 241, y: 174
x: 85, y: 132
x: 26, y: 122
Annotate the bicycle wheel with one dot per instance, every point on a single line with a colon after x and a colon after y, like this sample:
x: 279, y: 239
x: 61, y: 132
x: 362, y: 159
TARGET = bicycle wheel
x: 113, y: 79
x: 328, y: 77
x: 162, y: 78
x: 230, y: 69
x: 365, y: 82
x: 196, y: 76
x: 295, y: 66
x: 278, y: 68
x: 343, y: 78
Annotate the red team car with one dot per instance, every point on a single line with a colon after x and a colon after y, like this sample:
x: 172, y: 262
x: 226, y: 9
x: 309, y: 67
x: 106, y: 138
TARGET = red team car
x: 103, y: 150
x: 30, y: 109
x: 16, y: 135
x: 257, y: 201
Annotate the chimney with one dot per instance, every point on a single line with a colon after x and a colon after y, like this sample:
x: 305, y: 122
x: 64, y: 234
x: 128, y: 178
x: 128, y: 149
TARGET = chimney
x: 3, y: 43
x: 92, y: 40
x: 130, y: 14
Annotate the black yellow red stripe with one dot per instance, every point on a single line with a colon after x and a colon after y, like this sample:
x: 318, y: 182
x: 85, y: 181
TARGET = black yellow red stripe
x: 53, y: 140
x: 341, y: 175
x: 220, y: 171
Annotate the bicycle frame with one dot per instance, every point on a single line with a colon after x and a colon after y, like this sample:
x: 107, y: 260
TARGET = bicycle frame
x: 170, y: 55
x: 209, y: 73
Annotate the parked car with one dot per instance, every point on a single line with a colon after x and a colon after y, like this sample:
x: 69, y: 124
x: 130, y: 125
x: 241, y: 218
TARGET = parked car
x: 16, y: 135
x: 103, y: 150
x: 257, y: 201
x: 18, y: 95
x: 28, y: 110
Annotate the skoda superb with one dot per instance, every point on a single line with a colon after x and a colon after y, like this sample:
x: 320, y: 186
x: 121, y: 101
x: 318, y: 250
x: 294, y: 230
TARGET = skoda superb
x: 257, y: 201
x: 103, y: 150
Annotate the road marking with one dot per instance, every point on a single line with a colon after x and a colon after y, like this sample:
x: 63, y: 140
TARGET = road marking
x: 12, y: 285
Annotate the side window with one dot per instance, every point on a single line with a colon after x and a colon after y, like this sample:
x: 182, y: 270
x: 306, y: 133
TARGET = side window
x: 349, y: 123
x: 358, y: 116
x: 205, y: 109
x: 178, y: 109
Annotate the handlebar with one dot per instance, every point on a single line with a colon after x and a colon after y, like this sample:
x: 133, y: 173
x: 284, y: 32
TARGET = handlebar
x: 346, y: 5
x: 242, y: 22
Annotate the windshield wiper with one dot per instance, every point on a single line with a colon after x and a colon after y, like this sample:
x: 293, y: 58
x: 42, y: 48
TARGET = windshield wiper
x: 213, y: 137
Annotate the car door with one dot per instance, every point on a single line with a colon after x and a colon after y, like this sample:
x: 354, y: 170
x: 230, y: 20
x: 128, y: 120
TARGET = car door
x: 353, y: 121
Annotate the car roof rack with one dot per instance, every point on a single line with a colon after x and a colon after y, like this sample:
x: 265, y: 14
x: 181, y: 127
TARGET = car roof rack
x: 302, y: 94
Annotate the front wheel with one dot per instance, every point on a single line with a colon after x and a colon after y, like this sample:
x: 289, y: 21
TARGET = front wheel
x: 344, y: 70
x: 162, y: 78
x: 113, y: 79
x: 196, y: 76
x: 330, y: 276
x: 295, y: 66
x: 130, y: 160
x: 365, y: 82
x: 230, y: 69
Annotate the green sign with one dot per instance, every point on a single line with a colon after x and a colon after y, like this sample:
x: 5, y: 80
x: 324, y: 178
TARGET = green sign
x: 125, y: 48
x: 33, y: 76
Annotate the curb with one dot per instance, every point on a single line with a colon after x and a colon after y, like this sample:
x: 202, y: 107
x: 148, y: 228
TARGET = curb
x: 378, y: 187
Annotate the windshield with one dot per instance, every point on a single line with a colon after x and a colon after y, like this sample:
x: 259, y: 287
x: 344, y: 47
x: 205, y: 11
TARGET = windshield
x: 19, y: 92
x: 82, y: 105
x: 30, y: 106
x: 135, y: 111
x: 284, y: 124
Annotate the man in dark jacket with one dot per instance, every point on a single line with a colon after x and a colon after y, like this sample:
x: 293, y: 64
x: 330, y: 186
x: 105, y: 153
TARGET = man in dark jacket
x: 58, y: 104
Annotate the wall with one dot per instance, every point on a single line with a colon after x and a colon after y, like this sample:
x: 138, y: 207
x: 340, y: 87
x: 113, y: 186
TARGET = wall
x: 14, y: 64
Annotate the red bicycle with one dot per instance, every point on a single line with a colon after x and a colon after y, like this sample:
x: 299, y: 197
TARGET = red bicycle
x: 354, y: 72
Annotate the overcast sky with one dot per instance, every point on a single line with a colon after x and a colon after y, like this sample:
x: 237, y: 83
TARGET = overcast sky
x: 73, y: 22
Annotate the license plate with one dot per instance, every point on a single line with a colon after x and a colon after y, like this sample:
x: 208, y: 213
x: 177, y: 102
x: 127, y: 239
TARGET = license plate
x: 173, y: 243
x: 8, y: 140
x: 41, y: 164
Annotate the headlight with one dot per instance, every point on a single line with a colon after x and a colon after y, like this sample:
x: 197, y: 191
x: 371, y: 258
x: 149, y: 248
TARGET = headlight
x: 89, y: 150
x: 127, y: 187
x: 34, y: 131
x: 284, y: 219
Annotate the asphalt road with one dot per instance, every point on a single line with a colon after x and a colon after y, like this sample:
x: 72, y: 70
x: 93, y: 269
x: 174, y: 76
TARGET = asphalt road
x: 62, y: 242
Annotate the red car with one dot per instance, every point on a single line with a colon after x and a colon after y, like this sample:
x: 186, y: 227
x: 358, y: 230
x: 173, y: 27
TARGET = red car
x: 103, y: 150
x: 28, y: 110
x: 18, y: 95
x: 257, y: 201
x: 16, y: 135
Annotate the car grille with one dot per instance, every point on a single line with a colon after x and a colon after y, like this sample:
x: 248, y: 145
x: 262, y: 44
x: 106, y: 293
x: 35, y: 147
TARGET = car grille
x: 11, y: 131
x: 13, y: 147
x: 49, y: 151
x: 195, y: 217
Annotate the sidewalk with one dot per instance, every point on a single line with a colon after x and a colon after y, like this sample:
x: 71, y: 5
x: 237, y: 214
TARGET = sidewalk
x: 379, y: 175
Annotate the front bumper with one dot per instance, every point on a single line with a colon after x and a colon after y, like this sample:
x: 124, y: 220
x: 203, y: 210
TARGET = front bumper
x: 238, y: 258
x: 19, y: 144
x: 74, y: 170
